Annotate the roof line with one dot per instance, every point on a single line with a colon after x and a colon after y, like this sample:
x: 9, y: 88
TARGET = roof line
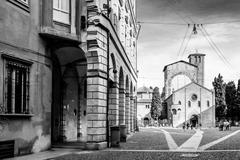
x: 178, y: 62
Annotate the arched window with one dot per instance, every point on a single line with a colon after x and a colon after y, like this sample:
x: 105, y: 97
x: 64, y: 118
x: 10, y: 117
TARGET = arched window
x: 179, y: 109
x: 174, y: 111
x: 179, y: 102
x: 189, y: 103
x: 208, y: 103
x: 199, y: 103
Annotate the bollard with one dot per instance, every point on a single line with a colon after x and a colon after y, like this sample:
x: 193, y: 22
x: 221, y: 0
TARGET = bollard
x: 123, y: 134
x: 115, y: 136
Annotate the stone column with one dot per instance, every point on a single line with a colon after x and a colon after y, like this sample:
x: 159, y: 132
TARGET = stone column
x: 96, y: 112
x: 131, y: 113
x: 96, y: 87
x: 127, y: 112
x: 135, y: 114
x: 114, y: 105
x: 121, y: 106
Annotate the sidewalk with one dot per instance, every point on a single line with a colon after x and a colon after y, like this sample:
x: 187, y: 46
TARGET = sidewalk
x: 49, y: 154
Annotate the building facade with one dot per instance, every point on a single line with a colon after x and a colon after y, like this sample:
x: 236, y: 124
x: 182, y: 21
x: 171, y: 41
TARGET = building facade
x: 144, y: 100
x: 193, y: 103
x: 68, y: 72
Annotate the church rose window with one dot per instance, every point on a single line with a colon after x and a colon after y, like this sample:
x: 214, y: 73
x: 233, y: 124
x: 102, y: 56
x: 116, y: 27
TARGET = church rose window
x: 194, y: 97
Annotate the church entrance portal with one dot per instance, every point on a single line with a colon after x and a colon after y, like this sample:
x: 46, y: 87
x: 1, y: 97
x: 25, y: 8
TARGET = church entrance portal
x: 194, y: 120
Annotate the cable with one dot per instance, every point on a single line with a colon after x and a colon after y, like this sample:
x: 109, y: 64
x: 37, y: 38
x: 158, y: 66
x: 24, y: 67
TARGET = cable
x: 161, y: 23
x: 214, y: 49
x: 179, y: 51
x: 186, y: 45
x: 217, y: 47
x: 177, y: 13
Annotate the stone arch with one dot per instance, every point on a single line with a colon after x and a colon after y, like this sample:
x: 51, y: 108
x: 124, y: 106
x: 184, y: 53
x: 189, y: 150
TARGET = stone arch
x: 121, y: 97
x: 69, y: 70
x: 178, y: 68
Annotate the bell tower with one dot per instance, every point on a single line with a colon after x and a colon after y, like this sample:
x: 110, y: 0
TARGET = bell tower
x: 198, y: 60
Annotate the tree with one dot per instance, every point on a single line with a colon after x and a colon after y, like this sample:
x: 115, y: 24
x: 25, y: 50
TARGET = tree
x: 230, y: 96
x: 219, y: 88
x: 156, y: 106
x: 237, y: 113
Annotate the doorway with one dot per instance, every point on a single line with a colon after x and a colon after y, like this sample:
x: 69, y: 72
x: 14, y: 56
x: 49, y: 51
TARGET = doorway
x: 194, y: 120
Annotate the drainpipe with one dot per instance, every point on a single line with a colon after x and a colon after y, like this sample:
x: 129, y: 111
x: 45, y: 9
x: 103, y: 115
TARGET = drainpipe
x: 107, y: 109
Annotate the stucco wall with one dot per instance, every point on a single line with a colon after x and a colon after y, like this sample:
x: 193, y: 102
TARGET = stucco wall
x: 19, y: 38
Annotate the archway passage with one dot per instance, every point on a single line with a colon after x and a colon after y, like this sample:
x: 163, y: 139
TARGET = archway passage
x: 194, y: 120
x: 69, y: 95
x: 146, y: 121
x: 175, y: 69
x: 179, y: 81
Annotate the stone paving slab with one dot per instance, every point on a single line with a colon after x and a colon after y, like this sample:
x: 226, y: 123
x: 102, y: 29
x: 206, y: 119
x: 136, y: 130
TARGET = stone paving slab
x: 140, y: 155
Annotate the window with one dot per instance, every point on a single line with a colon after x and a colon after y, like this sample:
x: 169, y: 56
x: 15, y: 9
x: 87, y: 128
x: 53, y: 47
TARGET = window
x: 147, y: 106
x: 194, y: 97
x: 119, y: 13
x: 174, y: 111
x: 179, y: 102
x: 189, y: 103
x: 199, y: 104
x: 115, y: 21
x: 16, y: 88
x: 208, y: 103
x: 61, y: 11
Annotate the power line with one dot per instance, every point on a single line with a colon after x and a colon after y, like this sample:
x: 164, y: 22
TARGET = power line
x: 161, y: 23
x: 181, y: 24
x: 211, y: 43
x: 189, y: 38
x: 177, y: 13
x: 183, y: 41
x: 225, y: 59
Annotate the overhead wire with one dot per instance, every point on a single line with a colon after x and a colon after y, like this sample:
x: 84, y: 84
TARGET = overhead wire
x: 208, y: 38
x: 220, y: 52
x: 184, y: 38
x: 189, y: 38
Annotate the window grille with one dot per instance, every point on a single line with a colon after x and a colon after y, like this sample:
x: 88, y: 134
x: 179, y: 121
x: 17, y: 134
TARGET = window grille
x: 16, y: 87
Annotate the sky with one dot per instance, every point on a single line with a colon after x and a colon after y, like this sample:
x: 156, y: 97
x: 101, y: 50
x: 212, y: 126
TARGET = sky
x: 159, y: 44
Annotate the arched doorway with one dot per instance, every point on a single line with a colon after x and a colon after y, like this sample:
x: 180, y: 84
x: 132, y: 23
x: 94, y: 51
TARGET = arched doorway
x: 194, y: 120
x: 68, y: 95
x: 146, y: 121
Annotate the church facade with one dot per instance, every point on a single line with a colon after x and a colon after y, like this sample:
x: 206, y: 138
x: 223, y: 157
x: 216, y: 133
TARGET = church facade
x: 192, y: 103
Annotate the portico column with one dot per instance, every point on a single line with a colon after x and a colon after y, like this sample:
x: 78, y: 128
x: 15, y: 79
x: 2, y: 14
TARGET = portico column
x: 127, y: 112
x: 114, y: 105
x: 121, y: 106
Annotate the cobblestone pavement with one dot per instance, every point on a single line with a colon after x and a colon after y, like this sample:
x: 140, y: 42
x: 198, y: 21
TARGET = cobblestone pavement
x: 150, y: 155
x: 151, y: 144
